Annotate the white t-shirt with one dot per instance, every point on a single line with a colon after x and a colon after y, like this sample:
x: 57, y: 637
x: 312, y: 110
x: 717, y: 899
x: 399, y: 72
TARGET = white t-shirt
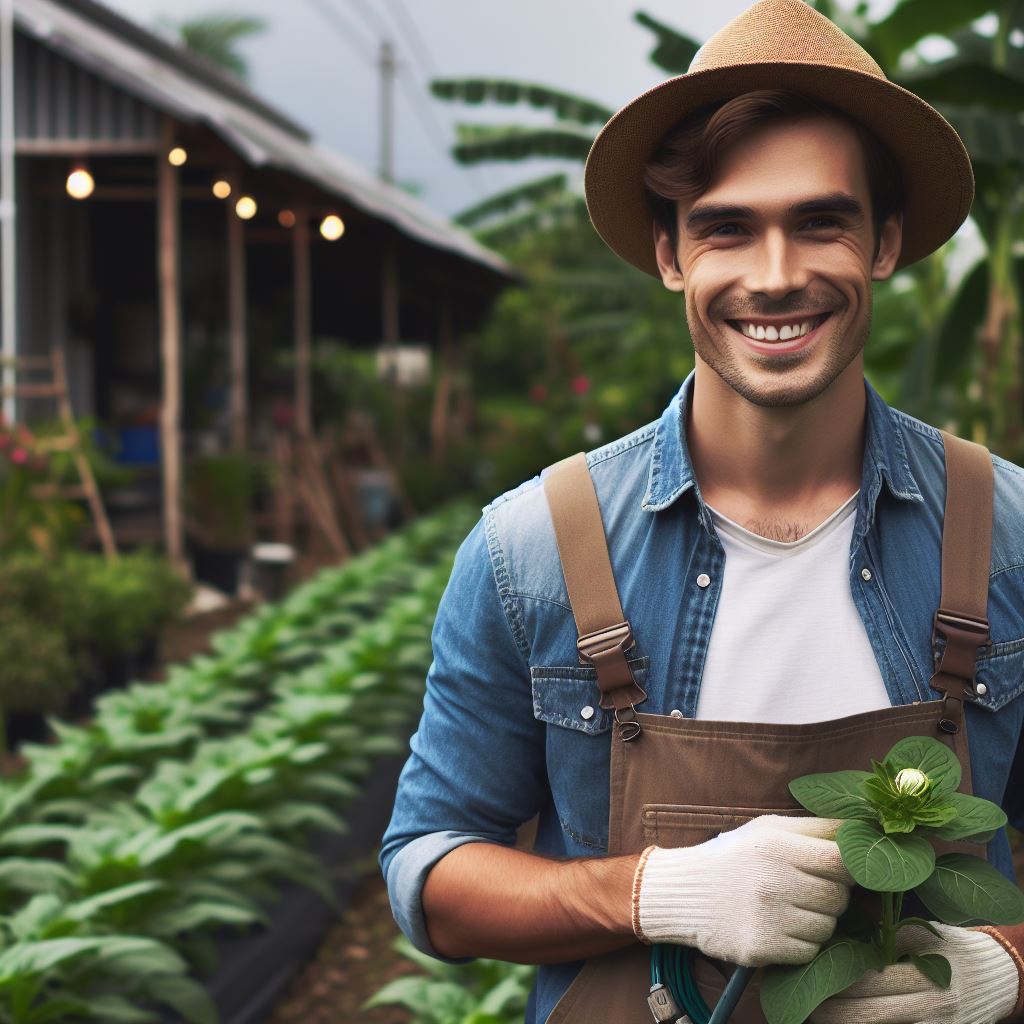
x: 788, y: 644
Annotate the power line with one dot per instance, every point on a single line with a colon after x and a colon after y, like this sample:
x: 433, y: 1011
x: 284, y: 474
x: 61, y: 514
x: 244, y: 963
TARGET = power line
x: 344, y: 28
x: 413, y: 36
x: 375, y: 24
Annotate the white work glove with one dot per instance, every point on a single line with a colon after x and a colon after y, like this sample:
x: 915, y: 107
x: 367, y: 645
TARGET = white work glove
x: 983, y: 989
x: 768, y: 892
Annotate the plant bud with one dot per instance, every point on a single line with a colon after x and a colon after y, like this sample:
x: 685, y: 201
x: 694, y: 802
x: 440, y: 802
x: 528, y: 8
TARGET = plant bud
x: 911, y: 782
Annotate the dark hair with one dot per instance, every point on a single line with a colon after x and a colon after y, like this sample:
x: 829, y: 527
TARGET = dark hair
x: 687, y: 158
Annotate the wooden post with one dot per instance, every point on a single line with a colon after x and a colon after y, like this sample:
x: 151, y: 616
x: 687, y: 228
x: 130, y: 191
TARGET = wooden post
x: 239, y: 391
x: 169, y: 290
x: 439, y: 414
x: 303, y: 323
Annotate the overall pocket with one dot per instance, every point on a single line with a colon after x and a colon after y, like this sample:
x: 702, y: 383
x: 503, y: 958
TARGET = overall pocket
x: 674, y: 825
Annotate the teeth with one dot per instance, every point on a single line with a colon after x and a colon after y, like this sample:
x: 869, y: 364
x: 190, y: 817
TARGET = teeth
x: 788, y: 331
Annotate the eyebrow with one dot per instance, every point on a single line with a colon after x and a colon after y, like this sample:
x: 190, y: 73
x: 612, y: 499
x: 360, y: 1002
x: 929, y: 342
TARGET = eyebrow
x: 834, y: 202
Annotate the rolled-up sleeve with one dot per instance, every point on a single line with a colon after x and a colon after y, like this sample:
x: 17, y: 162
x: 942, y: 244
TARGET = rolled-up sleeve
x: 476, y: 770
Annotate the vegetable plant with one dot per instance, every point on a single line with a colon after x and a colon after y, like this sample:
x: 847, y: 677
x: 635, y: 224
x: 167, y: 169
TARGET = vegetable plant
x: 894, y: 814
x: 481, y: 992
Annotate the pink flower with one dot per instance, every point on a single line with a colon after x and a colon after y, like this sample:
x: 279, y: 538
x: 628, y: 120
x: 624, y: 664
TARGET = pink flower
x: 19, y: 456
x: 580, y: 384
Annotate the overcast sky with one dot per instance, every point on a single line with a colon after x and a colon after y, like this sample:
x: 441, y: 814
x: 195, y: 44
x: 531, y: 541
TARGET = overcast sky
x: 317, y: 61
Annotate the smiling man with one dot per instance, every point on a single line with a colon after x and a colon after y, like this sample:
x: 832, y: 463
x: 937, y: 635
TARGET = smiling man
x: 643, y: 646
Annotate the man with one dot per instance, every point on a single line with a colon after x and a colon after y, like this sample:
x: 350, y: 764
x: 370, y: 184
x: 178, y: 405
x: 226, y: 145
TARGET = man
x: 775, y: 539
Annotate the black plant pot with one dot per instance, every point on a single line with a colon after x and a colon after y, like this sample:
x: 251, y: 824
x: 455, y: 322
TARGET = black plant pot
x: 218, y: 567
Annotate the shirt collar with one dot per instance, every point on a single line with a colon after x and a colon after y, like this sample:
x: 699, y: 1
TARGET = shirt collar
x: 885, y: 456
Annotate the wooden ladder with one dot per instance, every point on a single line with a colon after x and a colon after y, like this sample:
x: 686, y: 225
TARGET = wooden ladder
x: 52, y: 383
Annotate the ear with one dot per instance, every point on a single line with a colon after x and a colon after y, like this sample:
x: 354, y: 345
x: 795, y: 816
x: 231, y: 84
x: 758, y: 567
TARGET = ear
x: 890, y: 242
x: 668, y: 265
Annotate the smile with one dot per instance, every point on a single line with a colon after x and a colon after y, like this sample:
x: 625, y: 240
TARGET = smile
x: 762, y: 330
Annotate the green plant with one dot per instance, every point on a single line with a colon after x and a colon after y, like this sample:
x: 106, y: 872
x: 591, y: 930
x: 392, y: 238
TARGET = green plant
x: 481, y: 992
x: 892, y: 813
x: 219, y: 492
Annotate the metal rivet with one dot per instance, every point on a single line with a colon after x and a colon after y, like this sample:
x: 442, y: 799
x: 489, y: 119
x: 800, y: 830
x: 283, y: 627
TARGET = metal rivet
x: 676, y: 713
x: 981, y: 689
x: 865, y: 575
x: 703, y: 580
x: 587, y: 713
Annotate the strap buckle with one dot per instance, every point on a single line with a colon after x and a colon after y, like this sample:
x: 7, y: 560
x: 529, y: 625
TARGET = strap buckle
x: 955, y: 665
x: 606, y: 649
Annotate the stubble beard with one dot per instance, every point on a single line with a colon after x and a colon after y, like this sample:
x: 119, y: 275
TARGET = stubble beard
x: 791, y: 388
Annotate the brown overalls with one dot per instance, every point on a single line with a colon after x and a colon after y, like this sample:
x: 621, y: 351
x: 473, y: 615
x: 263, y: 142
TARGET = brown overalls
x: 679, y: 781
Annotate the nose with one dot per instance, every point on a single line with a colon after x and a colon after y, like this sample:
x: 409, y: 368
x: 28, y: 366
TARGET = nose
x: 776, y: 267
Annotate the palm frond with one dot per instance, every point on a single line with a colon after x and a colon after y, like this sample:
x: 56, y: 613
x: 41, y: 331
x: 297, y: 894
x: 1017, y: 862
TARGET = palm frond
x: 215, y: 36
x: 673, y: 50
x: 565, y: 106
x: 478, y: 142
x: 504, y: 202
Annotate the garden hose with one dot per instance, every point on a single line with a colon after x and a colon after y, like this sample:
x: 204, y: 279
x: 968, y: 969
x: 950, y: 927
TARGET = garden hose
x: 675, y: 998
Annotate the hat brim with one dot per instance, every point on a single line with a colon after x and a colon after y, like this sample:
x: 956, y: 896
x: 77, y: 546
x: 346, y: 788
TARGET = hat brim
x: 938, y: 182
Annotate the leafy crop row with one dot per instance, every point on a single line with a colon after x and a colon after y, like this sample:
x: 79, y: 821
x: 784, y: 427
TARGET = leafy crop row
x: 178, y: 811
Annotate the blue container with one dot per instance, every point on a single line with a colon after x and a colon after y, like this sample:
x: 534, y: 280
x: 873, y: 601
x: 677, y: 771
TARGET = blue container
x: 139, y: 446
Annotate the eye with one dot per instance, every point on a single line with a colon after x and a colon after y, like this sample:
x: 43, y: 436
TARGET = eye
x: 821, y: 223
x: 725, y: 230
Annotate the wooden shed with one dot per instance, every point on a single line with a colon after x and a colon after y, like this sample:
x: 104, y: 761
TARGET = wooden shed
x: 205, y: 222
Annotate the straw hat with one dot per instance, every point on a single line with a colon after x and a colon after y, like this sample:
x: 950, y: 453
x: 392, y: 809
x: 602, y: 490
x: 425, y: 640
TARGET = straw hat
x: 782, y: 44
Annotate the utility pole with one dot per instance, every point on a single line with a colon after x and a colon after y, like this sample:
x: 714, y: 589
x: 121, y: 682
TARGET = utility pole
x: 387, y: 66
x: 8, y: 259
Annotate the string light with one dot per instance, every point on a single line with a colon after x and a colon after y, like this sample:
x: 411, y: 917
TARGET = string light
x: 221, y: 189
x: 286, y: 218
x: 246, y: 207
x: 80, y: 183
x: 332, y: 227
x: 177, y: 156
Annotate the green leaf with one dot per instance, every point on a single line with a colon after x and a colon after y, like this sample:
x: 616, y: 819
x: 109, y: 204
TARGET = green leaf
x: 934, y: 813
x: 565, y: 106
x: 897, y: 820
x: 912, y: 20
x: 976, y: 820
x: 934, y: 967
x: 834, y: 794
x: 674, y: 51
x: 790, y: 994
x: 965, y: 889
x: 930, y: 756
x: 188, y: 997
x: 884, y: 863
x: 479, y: 142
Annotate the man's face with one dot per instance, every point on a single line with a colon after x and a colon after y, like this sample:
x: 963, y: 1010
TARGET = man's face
x: 776, y: 260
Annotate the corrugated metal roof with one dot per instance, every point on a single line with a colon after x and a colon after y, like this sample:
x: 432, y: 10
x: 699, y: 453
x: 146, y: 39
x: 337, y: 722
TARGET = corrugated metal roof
x: 194, y: 92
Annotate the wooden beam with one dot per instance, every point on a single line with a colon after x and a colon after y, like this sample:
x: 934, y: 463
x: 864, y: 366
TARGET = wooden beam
x: 238, y: 391
x: 87, y: 147
x: 303, y: 322
x: 169, y: 291
x: 439, y: 414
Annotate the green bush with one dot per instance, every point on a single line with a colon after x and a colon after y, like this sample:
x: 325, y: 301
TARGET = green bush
x: 61, y: 619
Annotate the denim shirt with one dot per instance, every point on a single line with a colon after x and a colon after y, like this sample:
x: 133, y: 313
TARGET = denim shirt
x: 502, y: 737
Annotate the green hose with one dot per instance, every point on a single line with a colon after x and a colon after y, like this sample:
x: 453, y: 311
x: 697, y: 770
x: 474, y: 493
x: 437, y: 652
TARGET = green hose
x: 672, y: 966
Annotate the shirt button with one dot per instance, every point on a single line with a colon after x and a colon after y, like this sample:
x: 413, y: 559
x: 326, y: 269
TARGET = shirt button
x: 676, y: 713
x: 703, y: 580
x: 587, y: 713
x: 981, y: 689
x: 865, y: 575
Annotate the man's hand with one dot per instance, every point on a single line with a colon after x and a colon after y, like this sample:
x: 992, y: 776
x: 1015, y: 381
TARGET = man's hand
x: 983, y: 989
x: 768, y: 892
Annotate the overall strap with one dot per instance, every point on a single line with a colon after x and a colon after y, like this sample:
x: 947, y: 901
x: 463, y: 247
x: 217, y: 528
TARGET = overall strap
x: 604, y: 633
x: 962, y: 617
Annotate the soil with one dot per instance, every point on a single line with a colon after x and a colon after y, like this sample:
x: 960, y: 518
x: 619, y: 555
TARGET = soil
x: 354, y: 961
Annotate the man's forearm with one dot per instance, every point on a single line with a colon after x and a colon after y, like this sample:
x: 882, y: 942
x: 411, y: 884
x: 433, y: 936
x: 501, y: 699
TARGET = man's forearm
x: 492, y: 901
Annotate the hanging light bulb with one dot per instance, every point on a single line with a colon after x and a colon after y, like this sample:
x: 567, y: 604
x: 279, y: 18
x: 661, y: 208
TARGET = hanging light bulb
x: 80, y: 183
x: 286, y: 218
x: 177, y: 156
x: 221, y: 189
x: 332, y: 227
x: 246, y: 207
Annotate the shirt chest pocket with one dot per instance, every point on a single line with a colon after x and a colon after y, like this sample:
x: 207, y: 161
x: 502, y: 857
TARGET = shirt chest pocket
x: 578, y: 748
x: 569, y: 697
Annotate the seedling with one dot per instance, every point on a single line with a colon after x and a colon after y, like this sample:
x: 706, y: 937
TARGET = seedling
x: 893, y: 813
